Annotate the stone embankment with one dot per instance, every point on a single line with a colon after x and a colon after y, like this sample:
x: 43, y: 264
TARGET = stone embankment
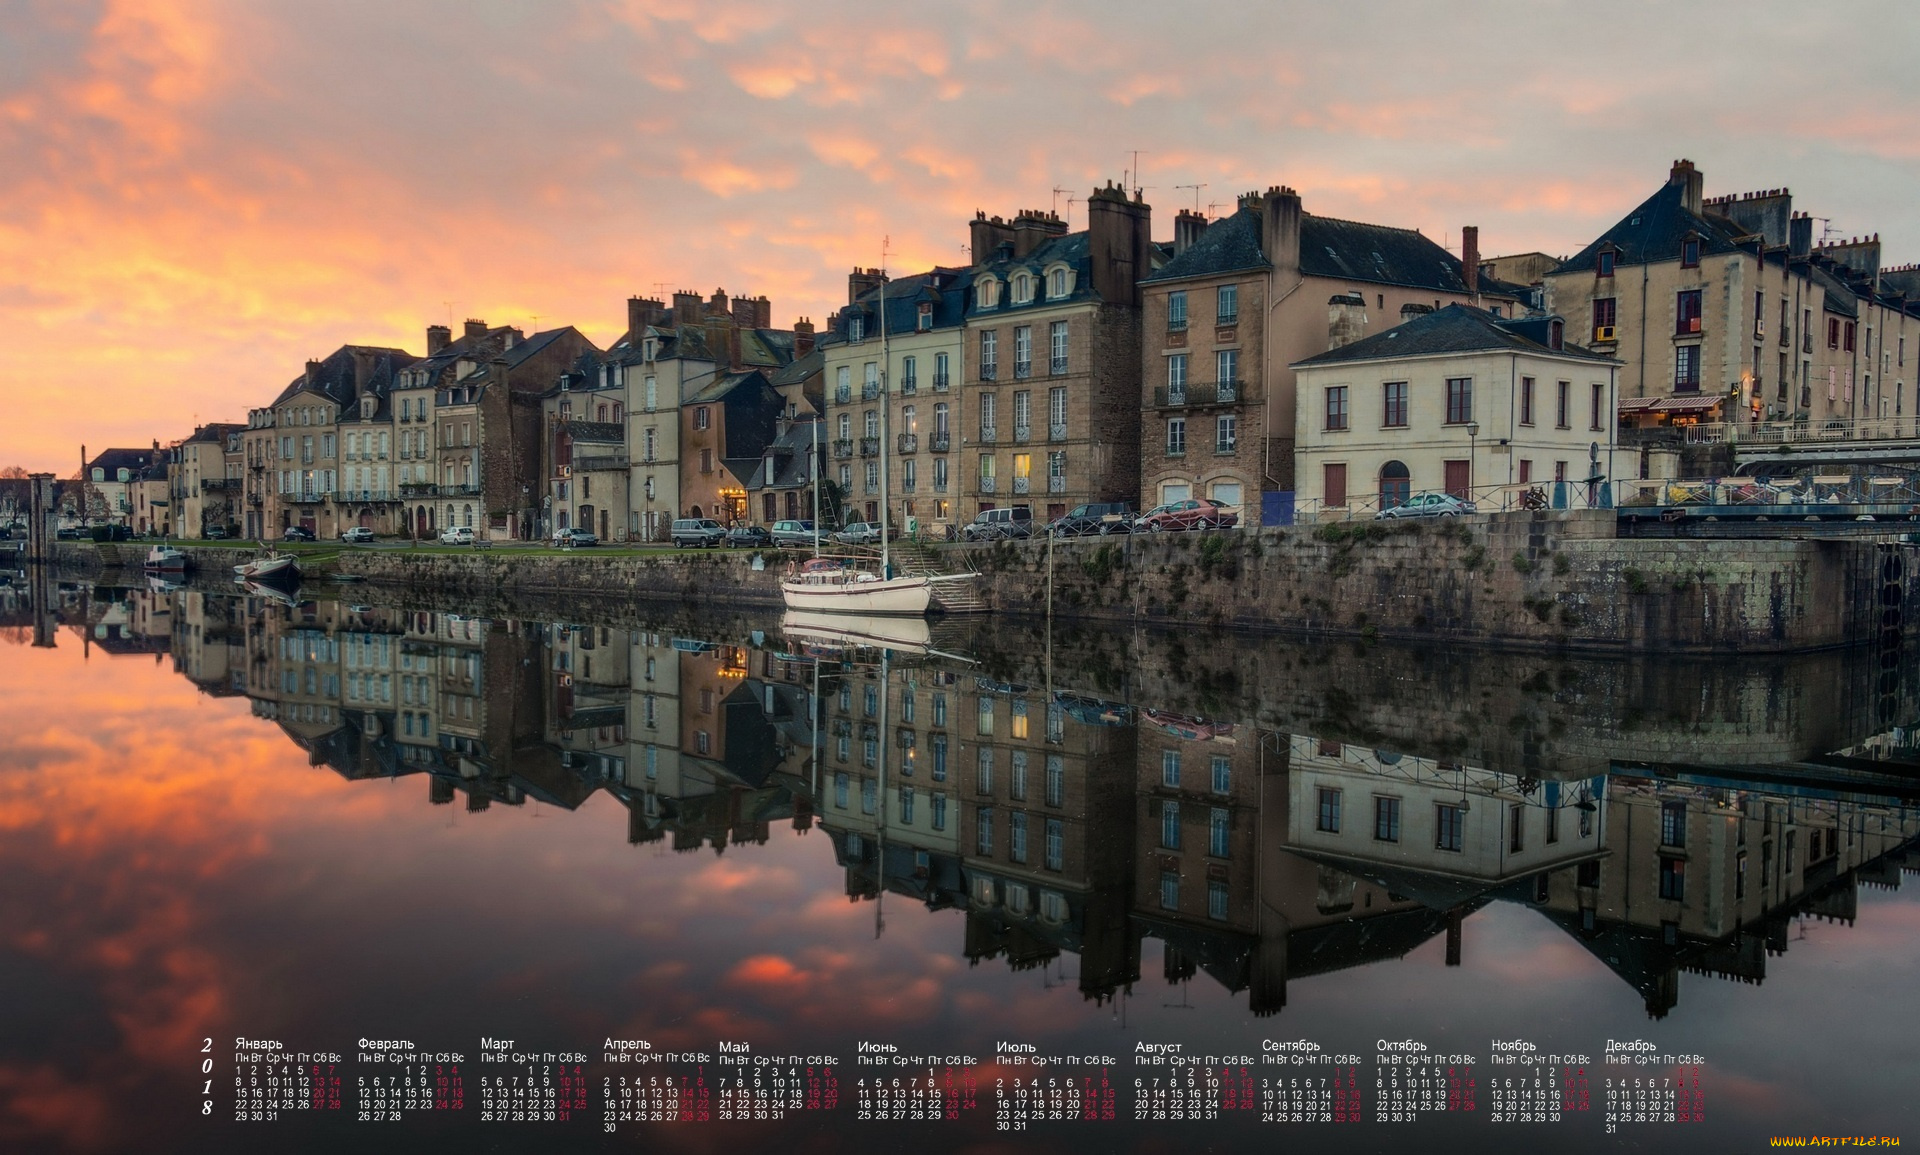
x: 1547, y: 580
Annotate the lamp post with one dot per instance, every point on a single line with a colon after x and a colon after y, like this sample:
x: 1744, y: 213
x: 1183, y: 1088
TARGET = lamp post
x: 1473, y: 438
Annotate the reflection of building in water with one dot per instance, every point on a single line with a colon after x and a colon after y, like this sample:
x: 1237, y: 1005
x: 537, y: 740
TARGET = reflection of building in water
x: 1708, y: 878
x: 209, y: 642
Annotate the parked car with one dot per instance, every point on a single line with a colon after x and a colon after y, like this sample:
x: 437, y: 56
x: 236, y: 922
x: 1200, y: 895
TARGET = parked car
x: 749, y: 535
x: 457, y: 535
x: 698, y: 531
x: 69, y: 533
x: 297, y: 533
x: 1101, y: 517
x: 217, y: 533
x: 857, y: 533
x: 356, y: 535
x: 112, y: 533
x: 1429, y: 505
x: 1193, y: 513
x: 1008, y: 521
x: 574, y: 537
x: 793, y: 534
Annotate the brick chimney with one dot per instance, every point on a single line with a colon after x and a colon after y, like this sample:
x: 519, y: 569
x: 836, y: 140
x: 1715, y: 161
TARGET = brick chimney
x: 1470, y: 257
x: 1691, y: 183
x: 313, y: 371
x: 438, y: 338
x: 762, y: 312
x: 987, y: 234
x: 1117, y: 243
x: 802, y: 337
x: 642, y: 312
x: 1280, y: 228
x: 1033, y: 228
x: 1346, y: 319
x: 862, y: 281
x: 1188, y: 226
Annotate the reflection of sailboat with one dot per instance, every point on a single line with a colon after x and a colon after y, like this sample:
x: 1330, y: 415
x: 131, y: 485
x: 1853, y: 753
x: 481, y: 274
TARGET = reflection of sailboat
x: 271, y: 593
x: 165, y: 559
x: 911, y: 635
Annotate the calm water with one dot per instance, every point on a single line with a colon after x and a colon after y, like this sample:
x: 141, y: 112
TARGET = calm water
x: 322, y: 826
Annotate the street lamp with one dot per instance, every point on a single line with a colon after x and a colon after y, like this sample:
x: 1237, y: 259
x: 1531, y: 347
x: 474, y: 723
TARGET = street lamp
x: 1473, y: 437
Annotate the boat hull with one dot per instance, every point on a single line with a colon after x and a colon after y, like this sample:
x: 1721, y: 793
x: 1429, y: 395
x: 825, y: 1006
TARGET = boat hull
x: 841, y: 631
x: 901, y: 596
x: 273, y: 569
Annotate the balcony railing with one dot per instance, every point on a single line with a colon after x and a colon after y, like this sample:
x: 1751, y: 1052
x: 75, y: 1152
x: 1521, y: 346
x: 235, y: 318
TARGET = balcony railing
x: 843, y: 447
x: 908, y: 442
x: 1022, y: 434
x: 989, y: 484
x: 870, y: 488
x: 1056, y: 433
x: 1022, y: 484
x: 1057, y: 366
x: 989, y: 435
x: 209, y: 484
x: 1194, y: 395
x: 869, y: 390
x: 940, y: 383
x: 940, y: 485
x: 989, y: 371
x: 418, y: 488
x: 939, y: 443
x: 843, y: 394
x: 909, y: 385
x: 908, y: 485
x: 869, y: 447
x: 602, y: 461
x: 364, y: 495
x: 1056, y: 485
x: 1176, y: 324
x: 1023, y: 369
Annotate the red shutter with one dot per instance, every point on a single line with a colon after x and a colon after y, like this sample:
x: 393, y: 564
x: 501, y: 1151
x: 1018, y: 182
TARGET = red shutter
x: 1457, y: 478
x: 1336, y: 485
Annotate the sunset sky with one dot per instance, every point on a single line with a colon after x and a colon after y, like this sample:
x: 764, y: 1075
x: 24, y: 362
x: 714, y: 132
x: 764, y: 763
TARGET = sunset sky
x: 197, y: 197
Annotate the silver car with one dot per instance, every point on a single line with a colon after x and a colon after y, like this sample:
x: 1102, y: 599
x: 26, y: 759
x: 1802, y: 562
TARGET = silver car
x: 1429, y: 505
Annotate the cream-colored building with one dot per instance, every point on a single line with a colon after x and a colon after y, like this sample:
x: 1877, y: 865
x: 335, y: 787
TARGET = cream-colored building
x: 206, y: 481
x: 1457, y: 401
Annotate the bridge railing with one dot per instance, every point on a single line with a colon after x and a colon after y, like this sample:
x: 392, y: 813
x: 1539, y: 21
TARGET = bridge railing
x: 1903, y: 428
x: 1852, y: 488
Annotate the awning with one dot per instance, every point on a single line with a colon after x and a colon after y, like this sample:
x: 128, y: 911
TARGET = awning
x: 1688, y: 404
x: 1630, y: 404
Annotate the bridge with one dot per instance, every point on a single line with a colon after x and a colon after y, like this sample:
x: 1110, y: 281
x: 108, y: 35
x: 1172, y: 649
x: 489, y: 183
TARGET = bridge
x: 1859, y: 502
x: 1762, y: 448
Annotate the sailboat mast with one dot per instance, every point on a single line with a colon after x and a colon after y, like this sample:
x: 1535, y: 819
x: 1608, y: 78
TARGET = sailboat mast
x: 886, y: 404
x: 813, y: 467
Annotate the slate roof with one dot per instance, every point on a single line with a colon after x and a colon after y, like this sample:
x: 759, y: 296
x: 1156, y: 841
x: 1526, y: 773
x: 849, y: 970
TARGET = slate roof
x: 597, y: 432
x: 114, y: 460
x: 1453, y: 329
x: 945, y: 288
x: 1330, y: 247
x: 800, y: 368
x: 216, y: 431
x: 790, y: 452
x: 521, y: 352
x: 1653, y: 232
x: 335, y: 378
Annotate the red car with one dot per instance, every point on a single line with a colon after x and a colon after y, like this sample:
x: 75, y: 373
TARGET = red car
x: 1201, y: 513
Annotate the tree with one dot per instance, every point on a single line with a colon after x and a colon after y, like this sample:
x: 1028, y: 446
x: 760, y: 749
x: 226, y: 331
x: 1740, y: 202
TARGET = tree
x: 13, y: 472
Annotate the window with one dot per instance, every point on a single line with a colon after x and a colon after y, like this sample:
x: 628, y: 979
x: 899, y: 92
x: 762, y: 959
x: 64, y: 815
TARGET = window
x: 1170, y: 769
x: 856, y: 327
x: 1226, y: 366
x: 989, y: 415
x: 1328, y: 819
x: 1334, y: 484
x: 1023, y: 351
x: 1336, y: 407
x: 1017, y: 836
x: 983, y: 831
x: 1393, y: 406
x: 1057, y: 411
x: 1526, y: 401
x: 1056, y: 783
x: 1686, y: 369
x: 1228, y: 311
x: 1169, y: 825
x: 989, y: 354
x: 984, y: 721
x: 1017, y: 779
x: 1176, y: 436
x: 1057, y: 347
x: 1177, y: 379
x: 1217, y: 898
x: 870, y: 426
x: 1022, y: 411
x: 1176, y: 310
x: 840, y: 791
x: 939, y: 370
x: 939, y: 811
x: 1596, y: 405
x: 1846, y: 340
x: 1459, y: 400
x: 1449, y: 830
x: 1386, y: 819
x: 1686, y: 312
x: 1516, y: 828
x: 983, y: 771
x: 1022, y: 288
x: 1057, y: 284
x: 1563, y: 398
x: 1603, y: 264
x: 939, y: 745
x: 906, y: 805
x: 1673, y: 878
x: 1673, y: 824
x: 923, y: 320
x: 1056, y: 846
x: 1604, y: 319
x: 1218, y: 829
x: 1169, y: 890
x: 987, y: 293
x: 1226, y: 432
x: 909, y: 374
x: 1690, y: 253
x: 869, y: 797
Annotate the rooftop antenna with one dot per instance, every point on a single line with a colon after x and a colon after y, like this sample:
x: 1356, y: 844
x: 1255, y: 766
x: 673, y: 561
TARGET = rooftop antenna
x: 1057, y: 190
x: 1138, y: 188
x: 659, y: 290
x: 1212, y: 206
x: 1196, y: 193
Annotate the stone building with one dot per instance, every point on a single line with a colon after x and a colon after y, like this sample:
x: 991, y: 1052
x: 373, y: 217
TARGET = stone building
x: 206, y: 481
x: 293, y: 450
x: 109, y: 480
x: 726, y: 429
x: 1244, y: 299
x: 1458, y: 401
x: 1731, y: 309
x: 1051, y: 358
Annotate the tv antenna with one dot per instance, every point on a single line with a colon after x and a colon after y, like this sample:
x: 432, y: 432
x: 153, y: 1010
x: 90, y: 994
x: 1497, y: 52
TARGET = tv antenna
x: 1138, y: 188
x: 1057, y: 190
x: 1196, y: 193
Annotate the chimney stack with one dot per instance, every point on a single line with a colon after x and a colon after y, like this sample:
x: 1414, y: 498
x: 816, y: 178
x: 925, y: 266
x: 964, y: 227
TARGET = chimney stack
x: 313, y: 371
x: 862, y: 281
x: 802, y: 337
x: 1470, y: 258
x: 1033, y: 228
x: 1280, y: 229
x: 686, y: 308
x: 1188, y: 226
x: 438, y: 338
x: 988, y: 234
x: 642, y: 312
x: 1691, y: 183
x: 1118, y: 243
x: 1346, y: 319
x: 475, y: 329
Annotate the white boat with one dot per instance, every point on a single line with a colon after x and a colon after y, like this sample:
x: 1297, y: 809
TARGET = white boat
x: 826, y: 585
x: 845, y: 631
x: 270, y: 567
x: 165, y: 559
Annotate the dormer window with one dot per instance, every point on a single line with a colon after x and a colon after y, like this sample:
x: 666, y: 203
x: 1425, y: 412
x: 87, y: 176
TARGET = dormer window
x: 1690, y: 253
x: 924, y: 321
x: 986, y: 294
x: 99, y: 474
x: 649, y: 348
x: 1556, y: 338
x: 1022, y: 289
x: 856, y: 328
x: 1603, y: 264
x: 1059, y: 284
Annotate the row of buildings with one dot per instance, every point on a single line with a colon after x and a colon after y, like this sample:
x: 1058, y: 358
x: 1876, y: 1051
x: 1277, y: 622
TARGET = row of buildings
x: 1053, y: 823
x: 1267, y: 359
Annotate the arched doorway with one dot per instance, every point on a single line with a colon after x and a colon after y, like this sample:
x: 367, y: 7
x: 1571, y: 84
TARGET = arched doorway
x: 1396, y: 485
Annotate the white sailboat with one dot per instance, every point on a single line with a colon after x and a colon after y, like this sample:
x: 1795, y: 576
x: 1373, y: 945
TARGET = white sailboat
x: 830, y: 586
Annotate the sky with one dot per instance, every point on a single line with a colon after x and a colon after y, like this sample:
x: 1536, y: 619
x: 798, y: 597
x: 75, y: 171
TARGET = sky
x: 198, y: 197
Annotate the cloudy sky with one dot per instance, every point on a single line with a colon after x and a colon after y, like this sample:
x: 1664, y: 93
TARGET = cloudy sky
x: 199, y: 196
